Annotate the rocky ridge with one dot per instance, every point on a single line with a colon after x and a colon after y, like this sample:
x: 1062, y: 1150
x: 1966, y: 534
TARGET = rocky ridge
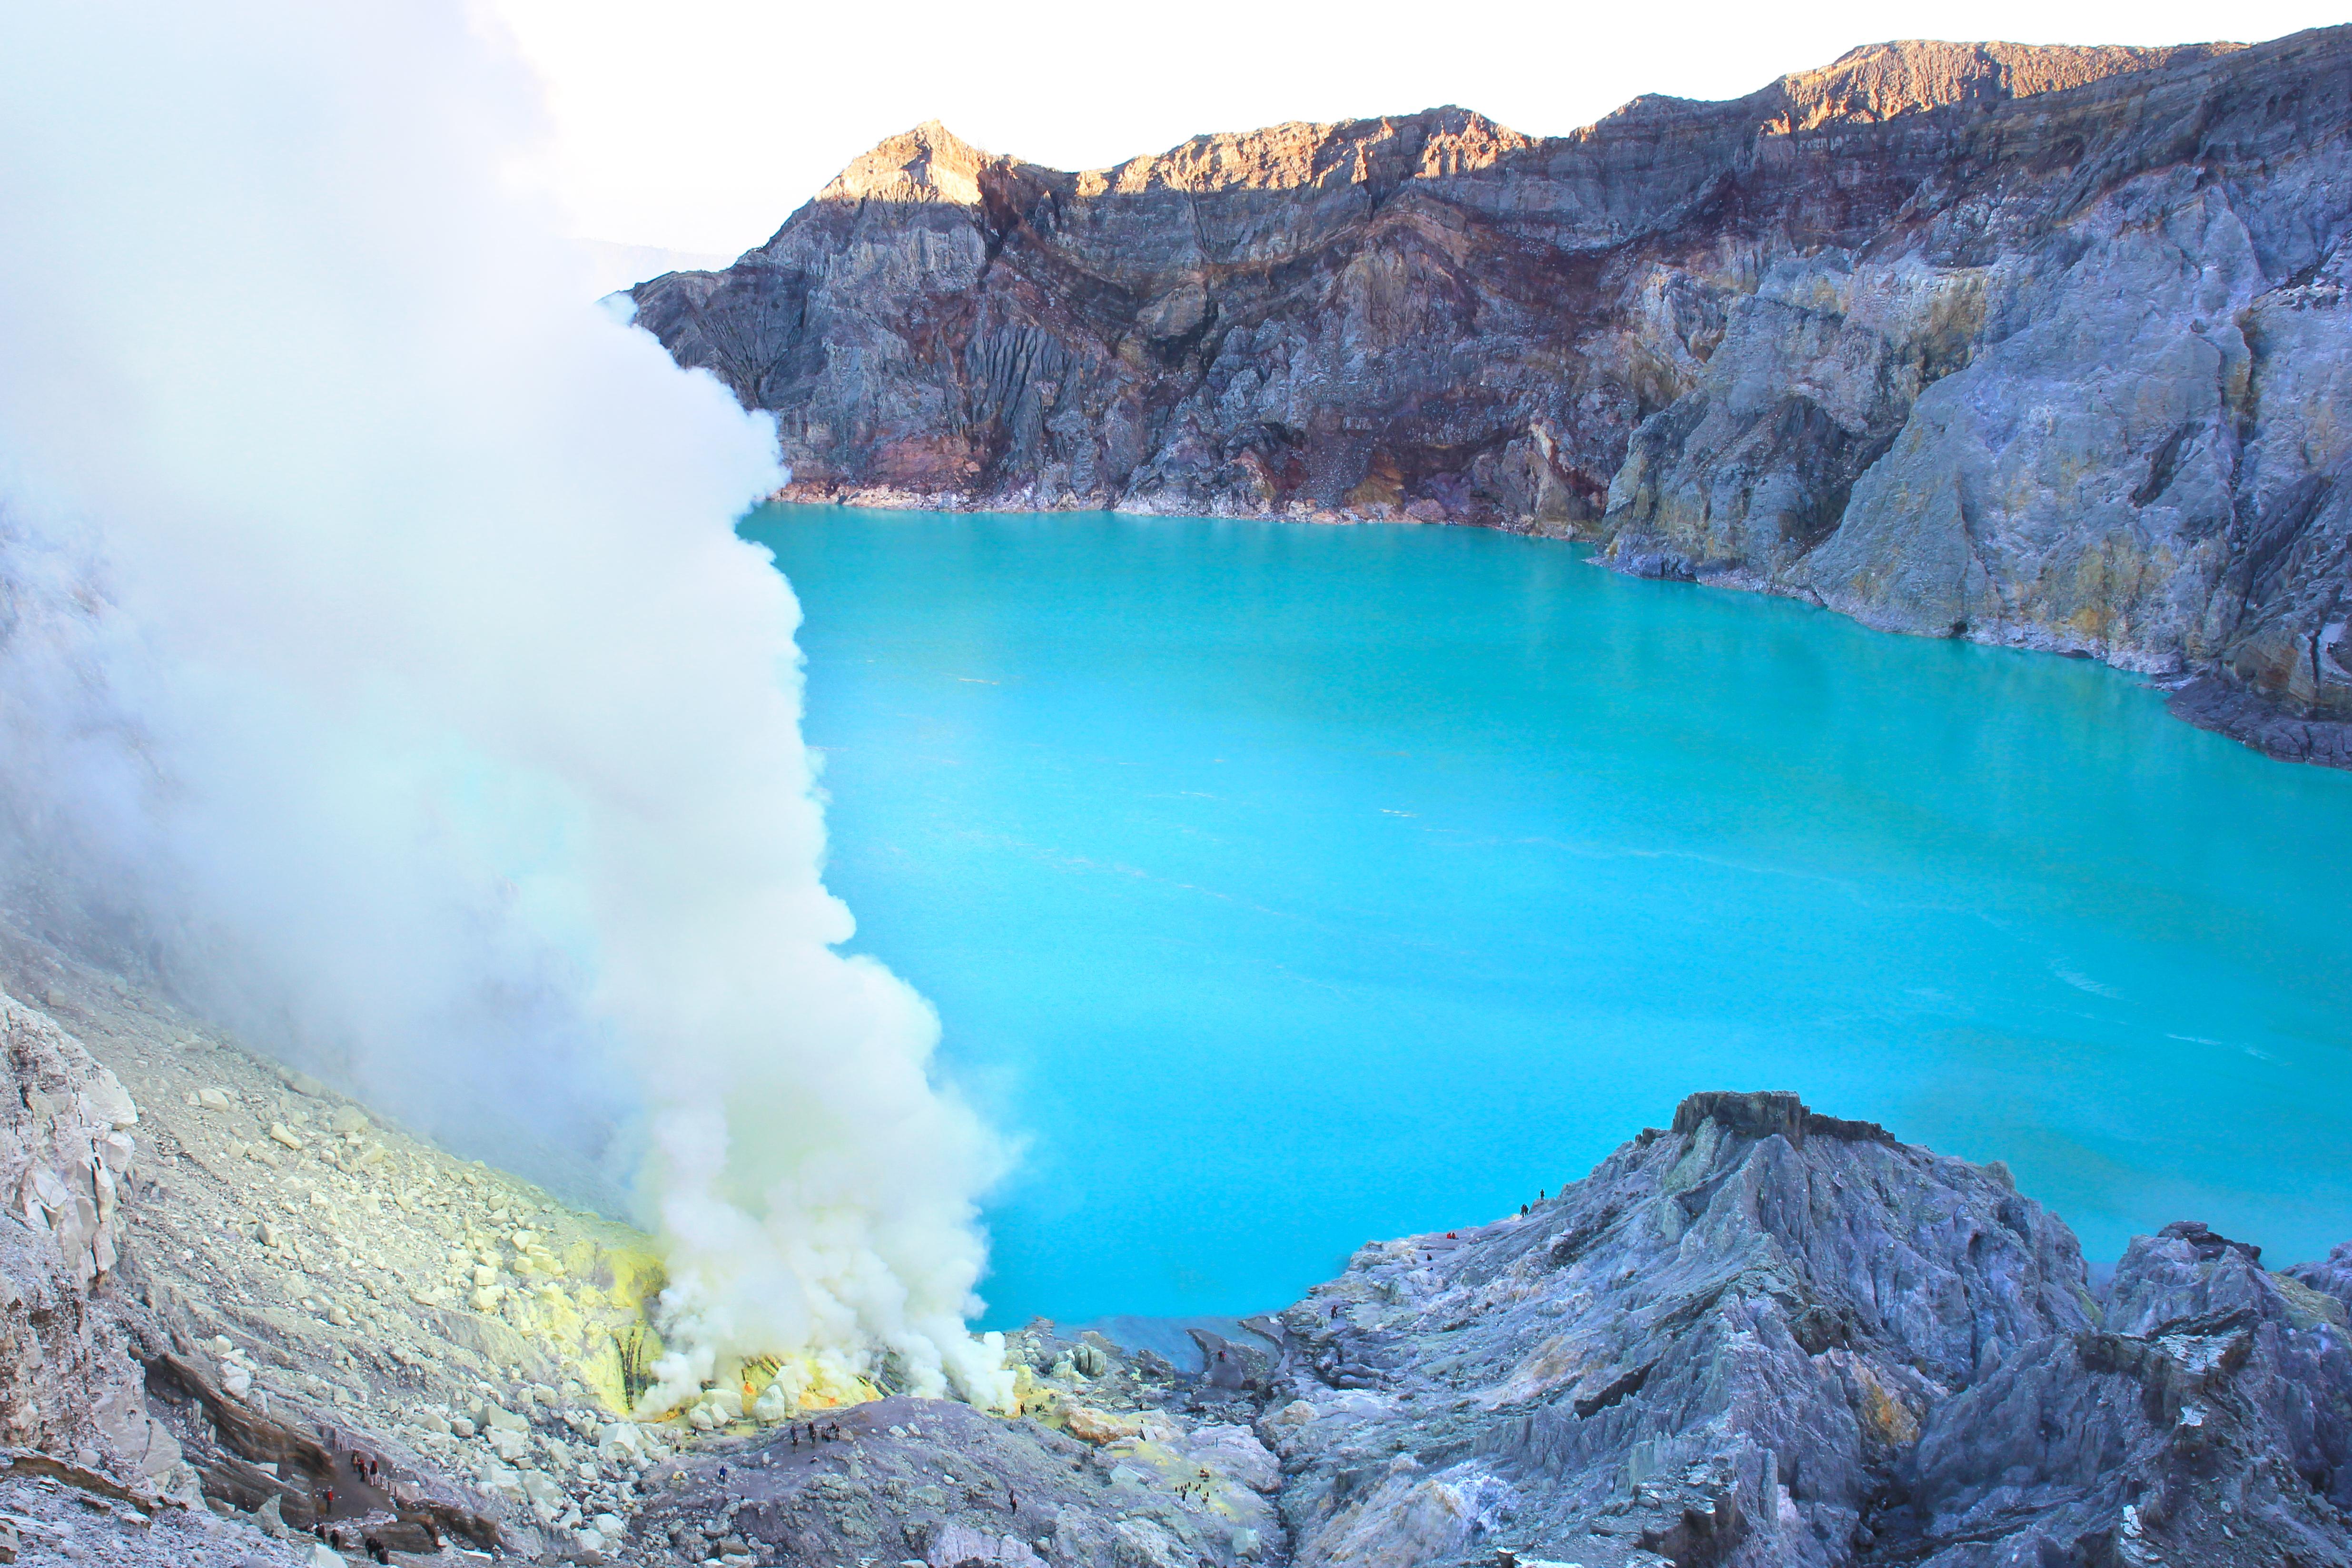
x: 1759, y: 1336
x: 249, y: 1323
x: 2033, y: 346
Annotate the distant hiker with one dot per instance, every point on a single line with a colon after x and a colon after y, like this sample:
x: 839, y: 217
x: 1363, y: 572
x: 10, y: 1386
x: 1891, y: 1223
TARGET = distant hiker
x: 812, y: 1434
x: 1012, y: 1499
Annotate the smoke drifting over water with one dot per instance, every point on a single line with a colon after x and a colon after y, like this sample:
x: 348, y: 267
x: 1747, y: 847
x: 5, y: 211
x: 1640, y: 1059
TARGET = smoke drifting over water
x: 381, y: 663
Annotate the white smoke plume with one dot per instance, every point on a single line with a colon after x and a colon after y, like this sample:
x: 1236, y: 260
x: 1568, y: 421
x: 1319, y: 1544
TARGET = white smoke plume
x: 379, y: 664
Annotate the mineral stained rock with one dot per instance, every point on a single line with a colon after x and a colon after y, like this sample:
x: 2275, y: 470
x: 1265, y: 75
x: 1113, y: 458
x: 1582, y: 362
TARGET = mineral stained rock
x: 1767, y: 1337
x: 1759, y: 1336
x: 2036, y: 346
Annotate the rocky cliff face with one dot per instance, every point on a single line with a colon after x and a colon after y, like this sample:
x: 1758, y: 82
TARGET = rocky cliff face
x: 2036, y: 346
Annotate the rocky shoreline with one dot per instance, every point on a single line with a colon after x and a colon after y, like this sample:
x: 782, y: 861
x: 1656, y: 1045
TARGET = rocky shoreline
x: 2037, y: 347
x: 240, y: 1315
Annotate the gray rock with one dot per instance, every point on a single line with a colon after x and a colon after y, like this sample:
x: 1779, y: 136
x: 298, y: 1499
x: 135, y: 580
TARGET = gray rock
x: 68, y: 1383
x: 1758, y: 1337
x: 1716, y: 1348
x: 2209, y: 1421
x: 1761, y: 1336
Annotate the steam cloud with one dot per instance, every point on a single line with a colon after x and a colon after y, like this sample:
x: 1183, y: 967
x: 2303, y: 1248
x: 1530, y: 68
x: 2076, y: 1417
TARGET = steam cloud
x: 379, y: 664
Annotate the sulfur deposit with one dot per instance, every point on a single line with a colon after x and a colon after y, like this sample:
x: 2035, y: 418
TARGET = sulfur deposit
x: 248, y: 1322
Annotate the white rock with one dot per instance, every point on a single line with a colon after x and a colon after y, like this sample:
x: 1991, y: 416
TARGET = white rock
x: 111, y: 1100
x: 501, y: 1481
x: 213, y: 1099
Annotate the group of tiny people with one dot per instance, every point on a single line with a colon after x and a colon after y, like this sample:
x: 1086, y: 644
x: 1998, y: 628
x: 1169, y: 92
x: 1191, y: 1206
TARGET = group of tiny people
x: 369, y: 1470
x: 831, y: 1434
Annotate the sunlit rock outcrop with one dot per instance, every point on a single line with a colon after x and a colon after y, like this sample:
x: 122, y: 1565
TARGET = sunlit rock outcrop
x: 2035, y: 346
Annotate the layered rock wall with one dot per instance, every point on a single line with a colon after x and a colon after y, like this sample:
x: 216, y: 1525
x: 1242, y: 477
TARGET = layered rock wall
x: 69, y: 1386
x: 2036, y: 346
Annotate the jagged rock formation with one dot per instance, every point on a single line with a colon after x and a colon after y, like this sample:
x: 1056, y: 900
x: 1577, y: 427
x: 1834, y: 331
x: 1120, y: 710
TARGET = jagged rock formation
x: 1760, y: 1336
x: 236, y: 1309
x: 1719, y: 1346
x: 1767, y: 1337
x: 2205, y: 1421
x: 2037, y: 346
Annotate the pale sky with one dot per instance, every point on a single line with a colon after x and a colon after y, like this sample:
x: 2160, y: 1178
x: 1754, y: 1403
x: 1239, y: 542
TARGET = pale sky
x: 698, y: 125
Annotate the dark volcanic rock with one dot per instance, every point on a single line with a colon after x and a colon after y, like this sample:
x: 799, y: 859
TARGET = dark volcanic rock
x: 2036, y: 346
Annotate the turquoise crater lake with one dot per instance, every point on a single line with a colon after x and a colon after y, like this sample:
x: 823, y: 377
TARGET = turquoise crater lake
x: 1286, y: 886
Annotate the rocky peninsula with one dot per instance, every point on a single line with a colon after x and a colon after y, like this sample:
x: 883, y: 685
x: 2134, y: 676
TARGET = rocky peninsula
x: 248, y: 1322
x: 2037, y: 346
